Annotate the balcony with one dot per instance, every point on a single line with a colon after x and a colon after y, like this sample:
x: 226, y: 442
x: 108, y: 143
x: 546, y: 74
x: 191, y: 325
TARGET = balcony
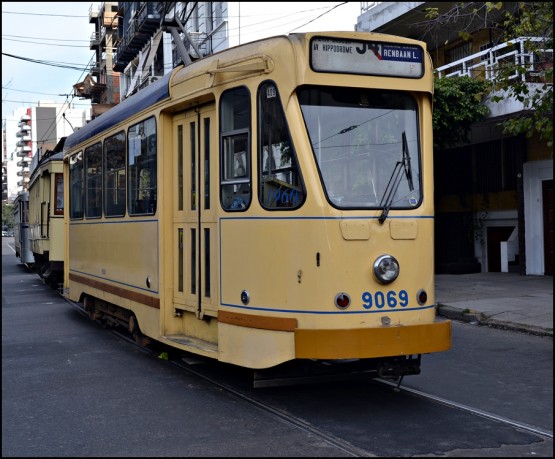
x: 137, y: 34
x: 95, y: 41
x: 486, y: 64
x: 22, y: 154
x: 24, y: 163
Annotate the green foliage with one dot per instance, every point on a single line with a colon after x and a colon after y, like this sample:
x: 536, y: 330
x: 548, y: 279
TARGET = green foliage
x: 458, y: 103
x: 7, y: 217
x: 529, y: 80
x: 530, y: 19
x: 431, y: 13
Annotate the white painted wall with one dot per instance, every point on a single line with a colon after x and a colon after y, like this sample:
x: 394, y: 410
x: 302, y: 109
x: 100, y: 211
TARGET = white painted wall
x: 534, y: 173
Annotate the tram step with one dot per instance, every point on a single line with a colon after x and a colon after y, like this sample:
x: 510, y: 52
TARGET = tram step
x: 205, y: 347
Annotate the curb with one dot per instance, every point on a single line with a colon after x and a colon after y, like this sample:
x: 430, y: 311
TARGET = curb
x: 477, y: 318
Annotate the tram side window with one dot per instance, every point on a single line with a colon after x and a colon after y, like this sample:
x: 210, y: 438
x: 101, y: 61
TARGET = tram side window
x: 114, y: 183
x: 235, y: 169
x: 93, y: 168
x: 76, y: 189
x: 24, y: 211
x: 279, y: 180
x: 141, y: 160
x: 59, y: 194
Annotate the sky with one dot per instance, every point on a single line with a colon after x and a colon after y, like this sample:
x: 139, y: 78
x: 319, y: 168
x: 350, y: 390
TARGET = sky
x: 57, y: 35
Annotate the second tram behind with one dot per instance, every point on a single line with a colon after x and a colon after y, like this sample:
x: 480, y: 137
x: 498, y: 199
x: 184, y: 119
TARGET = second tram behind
x: 46, y: 216
x: 22, y: 243
x: 270, y: 203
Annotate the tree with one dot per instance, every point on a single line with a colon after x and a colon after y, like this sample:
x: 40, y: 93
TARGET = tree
x: 533, y: 19
x: 458, y: 103
x: 7, y: 217
x: 529, y: 81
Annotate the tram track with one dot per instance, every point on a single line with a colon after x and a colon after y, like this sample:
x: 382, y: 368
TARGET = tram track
x: 325, y: 436
x: 494, y: 417
x: 294, y: 421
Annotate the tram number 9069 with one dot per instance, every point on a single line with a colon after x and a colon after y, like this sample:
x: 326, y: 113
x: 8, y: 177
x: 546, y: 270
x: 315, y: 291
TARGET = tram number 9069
x: 390, y: 299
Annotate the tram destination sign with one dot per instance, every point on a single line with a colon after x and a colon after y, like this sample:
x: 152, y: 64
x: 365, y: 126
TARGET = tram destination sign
x: 366, y: 57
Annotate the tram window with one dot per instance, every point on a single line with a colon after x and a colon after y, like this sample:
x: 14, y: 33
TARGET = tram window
x: 279, y: 180
x: 366, y: 145
x: 114, y: 181
x: 76, y: 191
x: 93, y: 180
x: 59, y: 194
x: 235, y: 171
x: 142, y: 167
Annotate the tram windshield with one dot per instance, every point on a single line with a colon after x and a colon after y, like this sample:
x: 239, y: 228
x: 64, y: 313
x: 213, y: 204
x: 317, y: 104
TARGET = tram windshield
x: 366, y: 146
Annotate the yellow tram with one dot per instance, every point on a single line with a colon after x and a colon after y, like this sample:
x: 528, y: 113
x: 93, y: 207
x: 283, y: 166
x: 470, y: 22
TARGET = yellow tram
x: 269, y: 203
x: 46, y: 216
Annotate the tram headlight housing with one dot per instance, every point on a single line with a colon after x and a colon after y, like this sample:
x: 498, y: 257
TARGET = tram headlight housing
x: 386, y: 269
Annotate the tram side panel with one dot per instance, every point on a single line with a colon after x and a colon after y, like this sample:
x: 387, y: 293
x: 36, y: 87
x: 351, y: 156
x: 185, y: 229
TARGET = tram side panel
x: 117, y: 262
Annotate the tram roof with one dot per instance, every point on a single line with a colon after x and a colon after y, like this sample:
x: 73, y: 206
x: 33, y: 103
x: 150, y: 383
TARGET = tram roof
x: 160, y: 90
x: 152, y: 94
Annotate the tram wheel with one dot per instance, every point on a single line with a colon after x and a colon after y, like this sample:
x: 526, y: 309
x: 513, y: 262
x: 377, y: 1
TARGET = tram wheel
x: 135, y: 331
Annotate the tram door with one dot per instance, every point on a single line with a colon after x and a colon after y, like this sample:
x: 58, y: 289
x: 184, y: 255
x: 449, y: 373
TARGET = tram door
x: 195, y: 229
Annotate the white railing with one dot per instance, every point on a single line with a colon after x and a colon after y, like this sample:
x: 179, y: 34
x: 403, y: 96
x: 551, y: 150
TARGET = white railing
x: 365, y: 6
x: 487, y: 62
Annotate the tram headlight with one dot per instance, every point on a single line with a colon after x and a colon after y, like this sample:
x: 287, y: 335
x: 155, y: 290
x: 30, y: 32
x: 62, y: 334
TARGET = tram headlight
x: 386, y: 269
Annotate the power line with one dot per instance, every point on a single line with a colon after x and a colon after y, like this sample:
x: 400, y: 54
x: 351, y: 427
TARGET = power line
x: 45, y: 14
x: 65, y: 65
x: 323, y: 14
x: 25, y: 102
x: 280, y: 22
x: 47, y: 44
x: 41, y: 38
x: 34, y: 92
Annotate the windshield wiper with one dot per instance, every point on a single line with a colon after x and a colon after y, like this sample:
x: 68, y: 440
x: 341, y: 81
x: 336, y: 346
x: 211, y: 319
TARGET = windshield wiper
x: 406, y: 162
x: 395, y: 180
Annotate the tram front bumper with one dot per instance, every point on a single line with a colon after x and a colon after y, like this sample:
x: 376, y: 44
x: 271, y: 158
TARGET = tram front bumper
x: 373, y: 342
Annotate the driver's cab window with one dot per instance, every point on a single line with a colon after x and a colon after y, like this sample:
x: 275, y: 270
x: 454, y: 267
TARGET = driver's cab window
x: 235, y: 170
x: 279, y: 180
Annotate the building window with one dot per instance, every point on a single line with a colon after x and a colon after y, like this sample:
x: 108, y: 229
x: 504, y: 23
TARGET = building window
x: 456, y: 53
x: 485, y: 47
x: 217, y: 12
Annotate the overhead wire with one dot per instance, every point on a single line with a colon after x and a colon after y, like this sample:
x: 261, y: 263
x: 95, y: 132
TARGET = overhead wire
x: 65, y: 65
x: 84, y: 69
x: 47, y: 44
x: 285, y: 21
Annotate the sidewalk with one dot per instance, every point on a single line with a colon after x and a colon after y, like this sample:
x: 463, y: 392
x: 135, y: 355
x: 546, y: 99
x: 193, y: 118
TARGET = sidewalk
x: 501, y: 300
